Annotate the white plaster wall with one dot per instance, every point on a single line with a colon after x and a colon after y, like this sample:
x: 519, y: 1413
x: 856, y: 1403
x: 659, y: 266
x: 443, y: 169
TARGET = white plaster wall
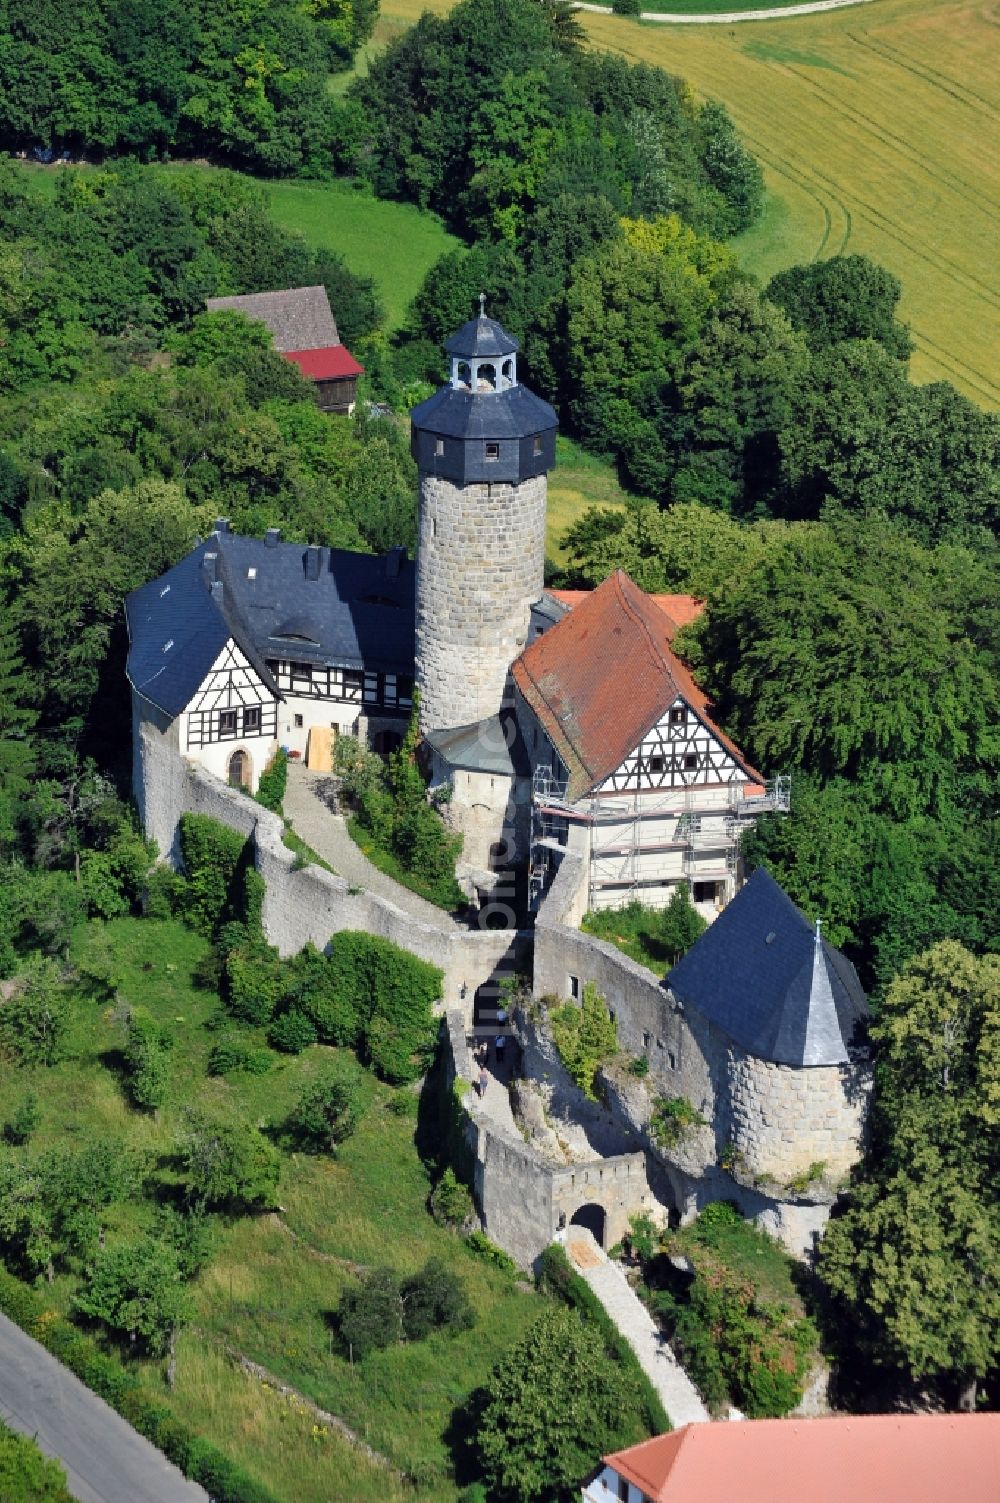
x: 215, y: 757
x: 322, y: 712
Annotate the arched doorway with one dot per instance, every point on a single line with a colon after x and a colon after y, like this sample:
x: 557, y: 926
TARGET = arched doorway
x: 239, y: 770
x: 592, y: 1217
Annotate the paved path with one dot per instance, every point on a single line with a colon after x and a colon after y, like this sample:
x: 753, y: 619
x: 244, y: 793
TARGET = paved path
x: 313, y: 819
x: 727, y: 18
x: 106, y: 1460
x: 678, y: 1394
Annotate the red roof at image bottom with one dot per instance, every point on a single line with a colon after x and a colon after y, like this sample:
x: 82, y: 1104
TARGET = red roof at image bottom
x: 327, y: 364
x: 874, y: 1458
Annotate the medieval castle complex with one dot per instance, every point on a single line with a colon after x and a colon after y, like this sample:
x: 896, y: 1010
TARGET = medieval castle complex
x: 575, y: 744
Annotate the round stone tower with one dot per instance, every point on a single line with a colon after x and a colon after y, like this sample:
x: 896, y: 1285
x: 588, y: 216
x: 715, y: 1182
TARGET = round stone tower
x: 483, y: 445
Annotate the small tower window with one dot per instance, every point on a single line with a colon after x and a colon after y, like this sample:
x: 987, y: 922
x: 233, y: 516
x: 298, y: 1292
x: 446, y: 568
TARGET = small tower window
x: 439, y: 446
x: 678, y: 715
x: 536, y: 445
x: 492, y: 451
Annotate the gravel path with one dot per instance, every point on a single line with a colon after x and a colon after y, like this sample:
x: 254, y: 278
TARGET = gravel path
x: 311, y: 816
x: 106, y: 1460
x: 678, y: 1394
x: 729, y: 17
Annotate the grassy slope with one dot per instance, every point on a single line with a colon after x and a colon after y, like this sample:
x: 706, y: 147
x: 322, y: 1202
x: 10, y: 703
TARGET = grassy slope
x: 873, y: 126
x: 273, y: 1279
x: 579, y: 480
x: 395, y: 243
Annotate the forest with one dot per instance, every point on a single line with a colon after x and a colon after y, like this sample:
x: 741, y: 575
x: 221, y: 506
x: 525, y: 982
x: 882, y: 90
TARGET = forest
x: 839, y: 520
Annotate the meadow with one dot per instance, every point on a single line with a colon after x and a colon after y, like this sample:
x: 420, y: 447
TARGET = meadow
x: 874, y: 126
x: 273, y: 1279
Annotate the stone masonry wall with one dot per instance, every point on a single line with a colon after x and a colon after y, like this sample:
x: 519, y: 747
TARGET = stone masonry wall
x: 480, y: 567
x: 783, y: 1121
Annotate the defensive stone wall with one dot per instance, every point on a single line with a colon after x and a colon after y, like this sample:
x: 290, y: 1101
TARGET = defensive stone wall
x: 304, y: 903
x: 480, y: 567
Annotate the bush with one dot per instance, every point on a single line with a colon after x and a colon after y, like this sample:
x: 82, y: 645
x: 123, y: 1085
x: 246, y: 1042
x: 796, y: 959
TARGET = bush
x: 254, y: 982
x: 163, y: 894
x: 146, y: 1047
x: 226, y: 1162
x: 26, y: 1476
x: 213, y: 858
x: 329, y: 1108
x: 627, y: 7
x: 655, y: 937
x: 434, y: 1299
x: 135, y: 1290
x: 480, y: 1244
x: 672, y: 1117
x: 326, y: 994
x: 24, y: 1123
x: 586, y: 1037
x: 232, y: 1053
x: 292, y: 1032
x: 273, y: 782
x: 370, y: 1316
x: 451, y: 1202
x: 34, y: 1019
x: 390, y: 995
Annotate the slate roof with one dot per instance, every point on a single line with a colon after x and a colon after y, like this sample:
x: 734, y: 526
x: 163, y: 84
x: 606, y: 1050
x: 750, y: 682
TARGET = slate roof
x: 870, y: 1458
x: 358, y: 612
x: 762, y: 975
x: 513, y: 413
x: 481, y: 339
x: 493, y: 745
x: 603, y: 676
x: 299, y: 318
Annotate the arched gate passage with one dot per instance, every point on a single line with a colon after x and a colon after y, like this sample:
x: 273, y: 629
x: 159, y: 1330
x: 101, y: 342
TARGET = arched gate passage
x: 594, y: 1218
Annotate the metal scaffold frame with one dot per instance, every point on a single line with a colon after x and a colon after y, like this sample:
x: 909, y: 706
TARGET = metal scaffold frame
x: 552, y: 813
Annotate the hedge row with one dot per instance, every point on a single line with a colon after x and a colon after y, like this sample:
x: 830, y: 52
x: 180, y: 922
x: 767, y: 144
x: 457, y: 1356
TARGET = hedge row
x: 559, y: 1276
x: 196, y: 1458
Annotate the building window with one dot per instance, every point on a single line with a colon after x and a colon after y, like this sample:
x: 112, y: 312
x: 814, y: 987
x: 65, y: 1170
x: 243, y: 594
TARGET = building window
x: 691, y: 761
x: 703, y: 892
x: 434, y: 527
x: 672, y: 1059
x: 679, y: 715
x: 647, y: 1039
x: 251, y: 720
x: 227, y: 722
x: 574, y: 988
x: 657, y: 764
x: 492, y: 451
x: 439, y: 446
x: 536, y: 446
x: 298, y: 722
x: 622, y: 1490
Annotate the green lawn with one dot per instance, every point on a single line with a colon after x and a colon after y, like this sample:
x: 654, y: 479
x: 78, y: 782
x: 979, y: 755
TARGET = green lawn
x: 274, y: 1279
x: 579, y: 480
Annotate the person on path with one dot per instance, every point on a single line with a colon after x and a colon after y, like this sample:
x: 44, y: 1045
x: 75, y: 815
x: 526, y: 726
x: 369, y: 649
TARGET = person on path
x: 500, y: 1046
x: 483, y: 1082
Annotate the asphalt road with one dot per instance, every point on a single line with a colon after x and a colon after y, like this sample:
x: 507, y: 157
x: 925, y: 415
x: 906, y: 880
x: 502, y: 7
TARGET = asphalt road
x: 106, y: 1460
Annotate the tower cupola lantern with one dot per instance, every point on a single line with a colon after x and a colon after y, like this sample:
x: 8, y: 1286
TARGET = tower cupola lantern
x: 484, y: 445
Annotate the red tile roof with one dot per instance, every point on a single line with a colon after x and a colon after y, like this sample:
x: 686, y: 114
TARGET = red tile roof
x: 325, y: 364
x: 680, y: 610
x: 603, y: 676
x: 875, y: 1458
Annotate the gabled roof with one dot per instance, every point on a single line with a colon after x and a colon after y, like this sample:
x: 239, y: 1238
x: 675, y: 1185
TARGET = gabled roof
x: 275, y: 600
x: 872, y: 1458
x: 763, y: 976
x: 298, y: 317
x: 603, y: 676
x: 493, y: 745
x: 326, y: 364
x: 680, y: 610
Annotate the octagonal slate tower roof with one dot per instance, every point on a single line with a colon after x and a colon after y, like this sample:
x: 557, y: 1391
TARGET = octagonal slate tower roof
x: 481, y: 339
x: 771, y: 983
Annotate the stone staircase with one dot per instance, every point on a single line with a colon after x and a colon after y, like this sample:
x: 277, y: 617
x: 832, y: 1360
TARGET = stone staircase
x: 677, y: 1393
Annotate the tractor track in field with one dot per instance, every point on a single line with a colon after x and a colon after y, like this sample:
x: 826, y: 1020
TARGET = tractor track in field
x: 931, y: 76
x: 800, y: 178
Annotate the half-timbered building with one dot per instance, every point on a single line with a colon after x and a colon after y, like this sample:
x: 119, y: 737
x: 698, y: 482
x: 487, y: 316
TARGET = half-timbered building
x: 623, y: 746
x: 252, y: 643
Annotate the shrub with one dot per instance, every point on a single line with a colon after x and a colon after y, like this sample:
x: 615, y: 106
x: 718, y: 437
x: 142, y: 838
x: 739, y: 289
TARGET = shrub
x: 480, y: 1244
x: 163, y: 894
x: 254, y: 982
x: 34, y: 1019
x: 655, y: 937
x: 627, y: 7
x: 146, y: 1047
x: 273, y: 782
x: 26, y: 1476
x: 292, y: 1032
x: 227, y: 1162
x: 672, y: 1117
x: 639, y: 1067
x: 322, y: 991
x: 329, y: 1108
x: 135, y: 1290
x: 586, y: 1036
x: 24, y: 1123
x: 434, y: 1299
x: 451, y: 1202
x: 370, y: 1316
x: 214, y: 857
x: 404, y: 1104
x: 231, y: 1053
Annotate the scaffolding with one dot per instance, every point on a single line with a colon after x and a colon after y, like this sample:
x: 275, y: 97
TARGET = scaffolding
x: 615, y: 865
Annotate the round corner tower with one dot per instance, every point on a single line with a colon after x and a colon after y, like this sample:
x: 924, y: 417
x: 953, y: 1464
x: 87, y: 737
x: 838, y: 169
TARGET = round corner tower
x: 484, y: 445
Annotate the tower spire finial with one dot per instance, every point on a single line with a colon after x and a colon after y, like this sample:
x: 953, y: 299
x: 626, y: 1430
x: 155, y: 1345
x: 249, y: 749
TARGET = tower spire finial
x: 819, y: 926
x: 482, y: 305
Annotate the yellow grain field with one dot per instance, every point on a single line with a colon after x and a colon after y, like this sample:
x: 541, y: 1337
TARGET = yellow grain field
x: 877, y: 130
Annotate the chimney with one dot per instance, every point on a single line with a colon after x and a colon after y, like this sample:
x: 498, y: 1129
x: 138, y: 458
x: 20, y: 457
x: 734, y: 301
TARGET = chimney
x: 272, y: 537
x: 313, y: 560
x: 217, y: 591
x: 210, y: 568
x: 221, y: 525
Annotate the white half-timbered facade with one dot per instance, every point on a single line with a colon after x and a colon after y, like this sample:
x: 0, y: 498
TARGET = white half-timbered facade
x: 624, y: 749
